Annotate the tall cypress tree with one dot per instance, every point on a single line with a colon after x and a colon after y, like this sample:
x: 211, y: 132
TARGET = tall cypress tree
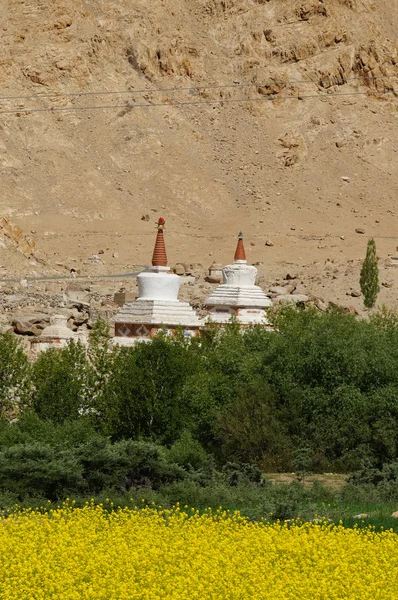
x: 369, y: 280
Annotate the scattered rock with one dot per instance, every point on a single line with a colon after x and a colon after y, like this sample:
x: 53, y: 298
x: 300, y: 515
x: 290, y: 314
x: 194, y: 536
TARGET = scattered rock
x: 359, y: 230
x: 387, y: 284
x: 320, y: 304
x: 289, y: 276
x: 195, y: 269
x: 269, y: 243
x: 115, y: 255
x: 145, y: 218
x: 179, y: 269
x: 101, y: 252
x: 395, y: 514
x: 294, y: 148
x: 293, y: 299
x: 94, y: 258
x: 346, y: 179
x: 278, y: 290
x: 361, y: 516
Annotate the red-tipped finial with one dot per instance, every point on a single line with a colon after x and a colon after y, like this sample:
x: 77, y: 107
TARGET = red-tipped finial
x: 240, y: 249
x: 159, y: 257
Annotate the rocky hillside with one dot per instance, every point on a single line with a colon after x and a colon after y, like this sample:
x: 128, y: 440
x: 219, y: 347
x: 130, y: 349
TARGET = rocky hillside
x: 275, y: 117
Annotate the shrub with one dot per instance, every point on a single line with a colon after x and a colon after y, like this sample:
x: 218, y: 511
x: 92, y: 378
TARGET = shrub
x: 188, y: 452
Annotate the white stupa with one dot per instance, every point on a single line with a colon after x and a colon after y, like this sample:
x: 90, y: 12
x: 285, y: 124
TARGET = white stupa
x: 157, y: 306
x: 238, y: 296
x: 55, y: 335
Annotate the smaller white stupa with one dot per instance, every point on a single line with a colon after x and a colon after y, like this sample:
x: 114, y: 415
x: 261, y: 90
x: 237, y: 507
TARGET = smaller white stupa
x: 238, y: 296
x: 55, y: 335
x: 157, y: 306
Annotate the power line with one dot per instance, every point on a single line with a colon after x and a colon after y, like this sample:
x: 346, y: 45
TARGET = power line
x: 188, y: 89
x: 189, y: 103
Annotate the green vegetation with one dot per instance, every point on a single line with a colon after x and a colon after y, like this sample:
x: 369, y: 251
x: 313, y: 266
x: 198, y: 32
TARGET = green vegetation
x: 199, y: 421
x: 369, y: 279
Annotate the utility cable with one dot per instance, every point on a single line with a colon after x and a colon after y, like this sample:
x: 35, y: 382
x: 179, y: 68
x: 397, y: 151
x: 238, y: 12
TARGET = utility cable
x: 189, y: 103
x: 189, y: 89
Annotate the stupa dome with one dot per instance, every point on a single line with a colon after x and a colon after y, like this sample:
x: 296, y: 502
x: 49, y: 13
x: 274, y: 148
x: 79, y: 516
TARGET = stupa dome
x: 58, y: 328
x: 55, y: 335
x: 157, y: 306
x: 238, y: 295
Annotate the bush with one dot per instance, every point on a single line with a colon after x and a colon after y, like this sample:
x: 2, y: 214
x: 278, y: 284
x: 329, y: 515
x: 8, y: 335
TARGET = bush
x: 188, y: 452
x: 42, y: 460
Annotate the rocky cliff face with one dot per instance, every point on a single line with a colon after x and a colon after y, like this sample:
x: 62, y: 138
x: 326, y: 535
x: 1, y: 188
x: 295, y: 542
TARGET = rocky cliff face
x: 308, y: 157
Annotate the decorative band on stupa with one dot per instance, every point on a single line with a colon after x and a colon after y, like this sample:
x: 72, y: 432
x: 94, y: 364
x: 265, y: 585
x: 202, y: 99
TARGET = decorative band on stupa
x: 159, y: 257
x: 240, y: 254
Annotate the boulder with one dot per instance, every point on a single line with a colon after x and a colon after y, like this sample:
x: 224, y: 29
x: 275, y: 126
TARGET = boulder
x: 25, y: 328
x: 292, y: 299
x: 179, y: 269
x: 280, y: 290
x: 319, y: 303
x: 195, y: 269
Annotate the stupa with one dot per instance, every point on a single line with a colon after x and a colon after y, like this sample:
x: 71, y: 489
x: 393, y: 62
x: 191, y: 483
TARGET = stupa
x: 55, y: 335
x: 238, y: 296
x: 157, y: 306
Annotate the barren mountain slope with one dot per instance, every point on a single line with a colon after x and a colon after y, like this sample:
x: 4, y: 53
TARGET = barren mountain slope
x: 82, y: 180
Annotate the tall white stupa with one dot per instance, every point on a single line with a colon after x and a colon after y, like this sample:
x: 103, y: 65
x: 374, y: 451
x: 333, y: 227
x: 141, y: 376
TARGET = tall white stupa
x: 157, y: 306
x: 238, y: 296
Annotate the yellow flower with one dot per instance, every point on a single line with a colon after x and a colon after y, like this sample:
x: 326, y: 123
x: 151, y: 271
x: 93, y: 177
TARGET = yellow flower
x: 179, y: 554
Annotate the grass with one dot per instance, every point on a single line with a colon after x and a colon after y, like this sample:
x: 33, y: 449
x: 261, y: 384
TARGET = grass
x: 283, y: 498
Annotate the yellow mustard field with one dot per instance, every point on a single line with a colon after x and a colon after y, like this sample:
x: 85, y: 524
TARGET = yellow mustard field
x: 148, y: 554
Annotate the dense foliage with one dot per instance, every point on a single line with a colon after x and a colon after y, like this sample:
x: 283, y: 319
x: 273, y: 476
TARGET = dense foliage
x: 318, y: 394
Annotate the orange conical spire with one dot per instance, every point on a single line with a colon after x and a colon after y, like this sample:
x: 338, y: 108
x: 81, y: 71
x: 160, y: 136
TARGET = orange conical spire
x: 159, y: 257
x: 240, y: 249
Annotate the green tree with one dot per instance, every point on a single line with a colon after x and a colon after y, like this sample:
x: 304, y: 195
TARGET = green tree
x: 61, y: 380
x: 101, y: 356
x: 369, y: 279
x: 14, y: 375
x: 143, y: 394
